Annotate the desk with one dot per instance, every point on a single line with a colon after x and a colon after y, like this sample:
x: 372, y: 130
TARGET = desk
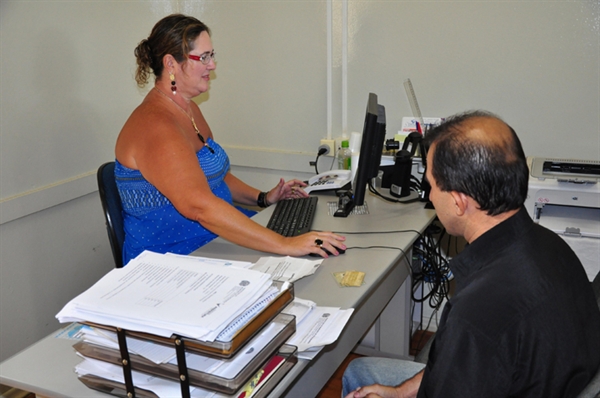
x: 46, y: 367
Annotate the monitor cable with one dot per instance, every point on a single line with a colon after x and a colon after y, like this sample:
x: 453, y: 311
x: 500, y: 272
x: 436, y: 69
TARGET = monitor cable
x: 413, y: 185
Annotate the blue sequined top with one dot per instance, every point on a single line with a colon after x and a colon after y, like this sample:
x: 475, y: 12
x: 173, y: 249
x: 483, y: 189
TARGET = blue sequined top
x: 151, y: 221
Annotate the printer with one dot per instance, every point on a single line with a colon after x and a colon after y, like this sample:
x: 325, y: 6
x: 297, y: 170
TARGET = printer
x: 564, y: 196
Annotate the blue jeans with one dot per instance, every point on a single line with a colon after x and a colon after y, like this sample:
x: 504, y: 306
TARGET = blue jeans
x: 385, y: 371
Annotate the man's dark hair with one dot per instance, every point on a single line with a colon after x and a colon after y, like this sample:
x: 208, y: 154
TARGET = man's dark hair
x: 491, y: 170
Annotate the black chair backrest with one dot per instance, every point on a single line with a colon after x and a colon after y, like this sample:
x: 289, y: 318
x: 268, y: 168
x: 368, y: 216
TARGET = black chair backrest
x: 111, y: 204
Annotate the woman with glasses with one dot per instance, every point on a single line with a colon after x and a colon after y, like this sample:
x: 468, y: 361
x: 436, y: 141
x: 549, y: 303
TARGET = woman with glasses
x: 174, y: 180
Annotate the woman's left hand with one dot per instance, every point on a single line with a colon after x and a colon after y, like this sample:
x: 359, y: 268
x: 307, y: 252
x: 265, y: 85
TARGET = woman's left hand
x: 286, y: 190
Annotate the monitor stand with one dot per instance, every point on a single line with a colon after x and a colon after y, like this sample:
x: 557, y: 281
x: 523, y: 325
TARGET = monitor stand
x: 345, y: 205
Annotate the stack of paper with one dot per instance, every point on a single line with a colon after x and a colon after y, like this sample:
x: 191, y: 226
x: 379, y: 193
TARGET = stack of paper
x: 316, y: 326
x: 166, y: 295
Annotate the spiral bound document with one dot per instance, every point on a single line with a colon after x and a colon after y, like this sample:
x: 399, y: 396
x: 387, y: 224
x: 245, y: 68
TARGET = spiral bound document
x: 230, y: 331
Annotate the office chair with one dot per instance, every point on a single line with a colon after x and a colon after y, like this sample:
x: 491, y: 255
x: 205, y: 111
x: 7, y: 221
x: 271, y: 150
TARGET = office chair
x: 111, y: 204
x: 592, y: 390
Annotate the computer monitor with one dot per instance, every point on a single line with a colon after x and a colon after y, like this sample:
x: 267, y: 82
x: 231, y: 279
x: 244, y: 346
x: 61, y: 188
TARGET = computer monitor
x: 373, y: 137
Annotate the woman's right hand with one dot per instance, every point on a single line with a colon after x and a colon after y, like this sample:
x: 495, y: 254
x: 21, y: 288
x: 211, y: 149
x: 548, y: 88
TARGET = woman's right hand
x: 314, y: 242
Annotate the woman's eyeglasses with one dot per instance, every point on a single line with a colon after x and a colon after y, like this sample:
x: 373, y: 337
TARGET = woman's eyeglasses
x: 204, y: 58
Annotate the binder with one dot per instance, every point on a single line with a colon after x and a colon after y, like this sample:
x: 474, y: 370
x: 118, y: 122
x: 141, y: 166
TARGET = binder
x: 222, y: 349
x: 284, y: 326
x: 287, y: 352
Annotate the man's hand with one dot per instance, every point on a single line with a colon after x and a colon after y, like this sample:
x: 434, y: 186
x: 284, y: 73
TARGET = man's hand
x: 408, y: 389
x: 374, y: 391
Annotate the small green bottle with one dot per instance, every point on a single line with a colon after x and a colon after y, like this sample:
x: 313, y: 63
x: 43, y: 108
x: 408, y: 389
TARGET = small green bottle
x: 344, y: 156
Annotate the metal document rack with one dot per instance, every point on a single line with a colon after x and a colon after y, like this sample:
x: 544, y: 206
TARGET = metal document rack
x: 219, y: 349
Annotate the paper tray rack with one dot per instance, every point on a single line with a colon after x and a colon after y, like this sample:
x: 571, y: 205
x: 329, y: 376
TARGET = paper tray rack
x: 283, y: 326
x: 221, y: 349
x: 288, y: 352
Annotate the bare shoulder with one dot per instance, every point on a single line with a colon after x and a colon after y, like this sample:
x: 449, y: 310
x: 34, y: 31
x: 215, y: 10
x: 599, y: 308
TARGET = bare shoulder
x: 150, y: 132
x: 150, y: 119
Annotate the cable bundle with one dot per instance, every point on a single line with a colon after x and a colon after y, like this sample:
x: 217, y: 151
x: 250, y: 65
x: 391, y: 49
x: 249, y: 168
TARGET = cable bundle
x: 434, y: 272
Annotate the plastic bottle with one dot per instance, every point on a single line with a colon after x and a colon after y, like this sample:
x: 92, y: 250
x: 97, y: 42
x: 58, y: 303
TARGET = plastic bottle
x: 344, y: 156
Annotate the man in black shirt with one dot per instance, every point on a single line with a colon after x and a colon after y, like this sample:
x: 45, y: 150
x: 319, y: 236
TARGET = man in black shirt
x: 523, y: 321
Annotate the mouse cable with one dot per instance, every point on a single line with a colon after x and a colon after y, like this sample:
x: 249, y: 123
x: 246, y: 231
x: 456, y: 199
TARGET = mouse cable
x: 404, y: 254
x: 378, y: 247
x: 398, y: 231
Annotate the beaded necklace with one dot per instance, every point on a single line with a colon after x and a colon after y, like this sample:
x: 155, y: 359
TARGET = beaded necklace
x: 189, y: 116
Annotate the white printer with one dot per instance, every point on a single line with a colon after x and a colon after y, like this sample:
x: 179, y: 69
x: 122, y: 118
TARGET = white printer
x: 564, y: 196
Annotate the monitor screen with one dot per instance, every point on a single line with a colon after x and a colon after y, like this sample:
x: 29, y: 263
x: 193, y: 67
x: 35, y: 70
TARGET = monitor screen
x: 373, y: 137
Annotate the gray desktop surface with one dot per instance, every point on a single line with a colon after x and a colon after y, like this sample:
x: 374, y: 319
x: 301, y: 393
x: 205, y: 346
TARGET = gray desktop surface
x: 46, y: 367
x: 377, y: 243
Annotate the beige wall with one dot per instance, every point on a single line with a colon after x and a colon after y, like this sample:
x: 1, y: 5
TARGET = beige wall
x: 288, y: 74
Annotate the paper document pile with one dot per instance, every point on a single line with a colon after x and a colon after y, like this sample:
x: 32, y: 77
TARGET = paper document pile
x: 228, y: 316
x: 241, y: 327
x: 162, y: 295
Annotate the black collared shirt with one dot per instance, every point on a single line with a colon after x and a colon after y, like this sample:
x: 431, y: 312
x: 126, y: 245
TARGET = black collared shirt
x: 523, y: 321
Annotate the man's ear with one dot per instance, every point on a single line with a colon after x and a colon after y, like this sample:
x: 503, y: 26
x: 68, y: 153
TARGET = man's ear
x: 461, y: 202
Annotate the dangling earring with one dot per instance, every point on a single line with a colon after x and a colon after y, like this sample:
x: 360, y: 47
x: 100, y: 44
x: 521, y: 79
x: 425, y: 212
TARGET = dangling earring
x: 173, y: 84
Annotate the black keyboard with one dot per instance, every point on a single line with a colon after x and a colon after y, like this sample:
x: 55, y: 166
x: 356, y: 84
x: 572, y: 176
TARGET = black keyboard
x: 293, y: 217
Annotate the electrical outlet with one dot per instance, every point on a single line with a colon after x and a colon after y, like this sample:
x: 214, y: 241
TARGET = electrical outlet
x: 331, y: 145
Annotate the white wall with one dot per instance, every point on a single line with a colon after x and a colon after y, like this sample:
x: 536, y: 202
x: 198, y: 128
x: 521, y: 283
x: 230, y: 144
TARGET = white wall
x: 288, y: 74
x: 47, y: 258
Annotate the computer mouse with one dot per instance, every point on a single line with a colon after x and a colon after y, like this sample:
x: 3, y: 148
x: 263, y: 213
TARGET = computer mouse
x: 340, y: 251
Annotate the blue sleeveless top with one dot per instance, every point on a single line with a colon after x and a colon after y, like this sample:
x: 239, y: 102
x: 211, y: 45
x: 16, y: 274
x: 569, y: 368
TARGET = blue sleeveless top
x: 151, y: 222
